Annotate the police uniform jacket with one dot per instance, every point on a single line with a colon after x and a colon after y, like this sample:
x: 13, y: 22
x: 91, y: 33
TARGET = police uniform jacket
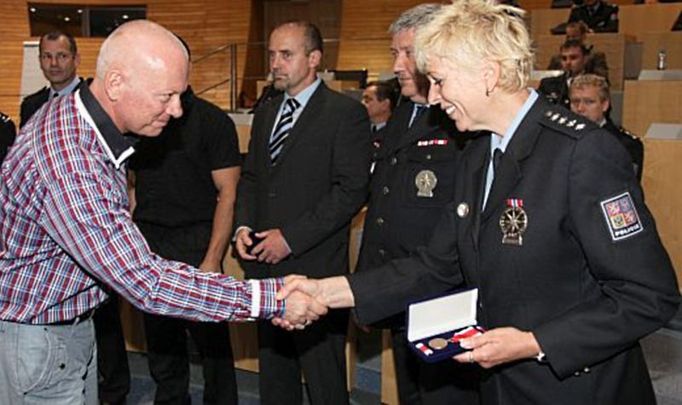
x: 589, y: 279
x: 7, y: 135
x: 555, y: 89
x: 314, y: 189
x: 632, y: 143
x: 601, y: 17
x: 400, y: 215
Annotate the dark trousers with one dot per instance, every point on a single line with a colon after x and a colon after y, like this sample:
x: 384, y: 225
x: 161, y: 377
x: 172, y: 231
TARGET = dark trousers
x: 169, y: 359
x: 167, y: 337
x: 317, y: 352
x: 113, y: 374
x: 446, y: 382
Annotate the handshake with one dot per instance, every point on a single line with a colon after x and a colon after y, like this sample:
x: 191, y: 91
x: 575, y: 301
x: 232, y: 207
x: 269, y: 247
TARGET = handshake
x: 309, y: 299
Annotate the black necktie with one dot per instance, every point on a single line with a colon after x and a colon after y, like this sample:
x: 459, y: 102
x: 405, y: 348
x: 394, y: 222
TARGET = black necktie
x: 497, y: 156
x: 282, y: 129
x: 420, y: 109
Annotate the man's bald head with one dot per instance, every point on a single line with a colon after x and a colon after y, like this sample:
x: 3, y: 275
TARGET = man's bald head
x: 142, y: 69
x: 137, y: 41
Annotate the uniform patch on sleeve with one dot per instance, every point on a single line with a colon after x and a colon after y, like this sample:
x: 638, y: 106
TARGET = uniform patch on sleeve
x: 621, y: 217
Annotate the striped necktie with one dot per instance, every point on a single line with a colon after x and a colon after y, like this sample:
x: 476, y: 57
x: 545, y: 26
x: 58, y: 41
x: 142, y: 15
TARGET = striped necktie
x: 282, y: 129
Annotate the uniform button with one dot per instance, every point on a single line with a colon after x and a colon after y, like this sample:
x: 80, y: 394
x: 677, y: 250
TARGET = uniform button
x: 272, y: 195
x: 394, y: 161
x: 385, y: 190
x: 586, y: 370
x: 577, y: 374
x: 380, y: 221
x: 62, y: 366
x: 428, y: 157
x: 382, y: 252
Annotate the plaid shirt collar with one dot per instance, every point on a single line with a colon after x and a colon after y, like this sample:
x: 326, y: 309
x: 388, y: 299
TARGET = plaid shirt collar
x: 117, y: 146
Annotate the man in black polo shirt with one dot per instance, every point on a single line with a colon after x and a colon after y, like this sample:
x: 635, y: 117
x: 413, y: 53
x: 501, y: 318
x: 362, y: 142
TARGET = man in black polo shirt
x: 185, y: 182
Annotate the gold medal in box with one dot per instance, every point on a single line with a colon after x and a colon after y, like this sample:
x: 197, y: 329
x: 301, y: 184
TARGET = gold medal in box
x: 513, y: 222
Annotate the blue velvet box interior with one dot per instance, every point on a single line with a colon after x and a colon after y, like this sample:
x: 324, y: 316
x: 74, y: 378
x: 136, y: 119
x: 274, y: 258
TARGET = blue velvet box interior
x: 440, y: 317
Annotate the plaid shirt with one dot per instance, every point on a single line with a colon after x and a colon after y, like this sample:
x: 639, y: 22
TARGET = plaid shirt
x: 66, y: 231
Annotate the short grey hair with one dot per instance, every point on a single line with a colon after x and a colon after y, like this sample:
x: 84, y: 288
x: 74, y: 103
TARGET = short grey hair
x: 414, y: 17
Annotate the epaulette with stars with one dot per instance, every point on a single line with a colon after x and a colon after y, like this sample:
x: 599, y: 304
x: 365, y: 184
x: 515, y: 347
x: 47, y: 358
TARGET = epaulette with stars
x: 567, y: 123
x: 627, y: 133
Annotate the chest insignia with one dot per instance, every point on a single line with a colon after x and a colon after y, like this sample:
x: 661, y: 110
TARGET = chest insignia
x: 425, y: 181
x: 513, y: 222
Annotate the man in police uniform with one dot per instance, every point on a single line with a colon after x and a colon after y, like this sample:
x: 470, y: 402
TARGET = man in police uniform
x: 590, y: 97
x: 573, y: 62
x: 412, y: 180
x: 597, y: 14
x: 7, y: 134
x: 59, y: 60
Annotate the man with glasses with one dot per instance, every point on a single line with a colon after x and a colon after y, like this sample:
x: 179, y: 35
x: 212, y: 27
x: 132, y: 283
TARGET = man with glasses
x: 59, y: 60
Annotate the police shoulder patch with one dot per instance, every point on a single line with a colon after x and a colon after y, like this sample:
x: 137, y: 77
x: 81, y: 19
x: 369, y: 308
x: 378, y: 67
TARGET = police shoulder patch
x: 621, y: 217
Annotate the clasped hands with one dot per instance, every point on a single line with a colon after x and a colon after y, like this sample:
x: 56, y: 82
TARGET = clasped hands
x: 304, y: 302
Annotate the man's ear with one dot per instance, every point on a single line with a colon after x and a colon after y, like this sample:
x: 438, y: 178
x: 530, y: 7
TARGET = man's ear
x: 113, y: 84
x: 315, y: 59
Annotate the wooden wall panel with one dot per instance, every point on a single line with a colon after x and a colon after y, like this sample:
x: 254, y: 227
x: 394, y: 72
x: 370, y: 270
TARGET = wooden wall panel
x: 645, y: 102
x: 662, y: 160
x: 204, y: 24
x: 364, y: 39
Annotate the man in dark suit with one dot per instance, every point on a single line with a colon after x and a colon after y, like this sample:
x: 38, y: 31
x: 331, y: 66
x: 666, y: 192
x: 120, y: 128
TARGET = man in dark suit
x: 591, y: 98
x: 597, y: 14
x: 7, y: 134
x: 573, y: 61
x: 304, y: 178
x: 59, y: 60
x: 413, y: 179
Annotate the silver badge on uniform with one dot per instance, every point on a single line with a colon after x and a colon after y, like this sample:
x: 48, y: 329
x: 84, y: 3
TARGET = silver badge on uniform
x: 513, y: 222
x: 425, y: 181
x: 462, y: 210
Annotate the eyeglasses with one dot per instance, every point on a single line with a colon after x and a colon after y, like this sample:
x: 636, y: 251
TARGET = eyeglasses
x: 60, y: 56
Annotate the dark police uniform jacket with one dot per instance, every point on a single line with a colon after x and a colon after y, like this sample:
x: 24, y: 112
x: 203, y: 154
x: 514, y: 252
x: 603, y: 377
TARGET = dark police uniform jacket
x: 400, y: 217
x: 632, y: 143
x: 590, y: 278
x: 7, y: 135
x: 555, y: 89
x: 601, y: 17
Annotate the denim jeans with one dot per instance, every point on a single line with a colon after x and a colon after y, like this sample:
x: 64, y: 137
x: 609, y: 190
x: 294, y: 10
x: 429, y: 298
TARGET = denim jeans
x: 47, y: 364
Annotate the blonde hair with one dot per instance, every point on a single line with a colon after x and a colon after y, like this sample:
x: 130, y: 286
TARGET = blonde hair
x: 599, y: 82
x: 470, y: 31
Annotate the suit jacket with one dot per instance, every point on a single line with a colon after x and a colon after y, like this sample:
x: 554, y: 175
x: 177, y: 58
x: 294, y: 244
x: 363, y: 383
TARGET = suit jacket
x: 32, y: 103
x: 7, y: 135
x: 586, y: 286
x: 604, y: 19
x: 313, y: 191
